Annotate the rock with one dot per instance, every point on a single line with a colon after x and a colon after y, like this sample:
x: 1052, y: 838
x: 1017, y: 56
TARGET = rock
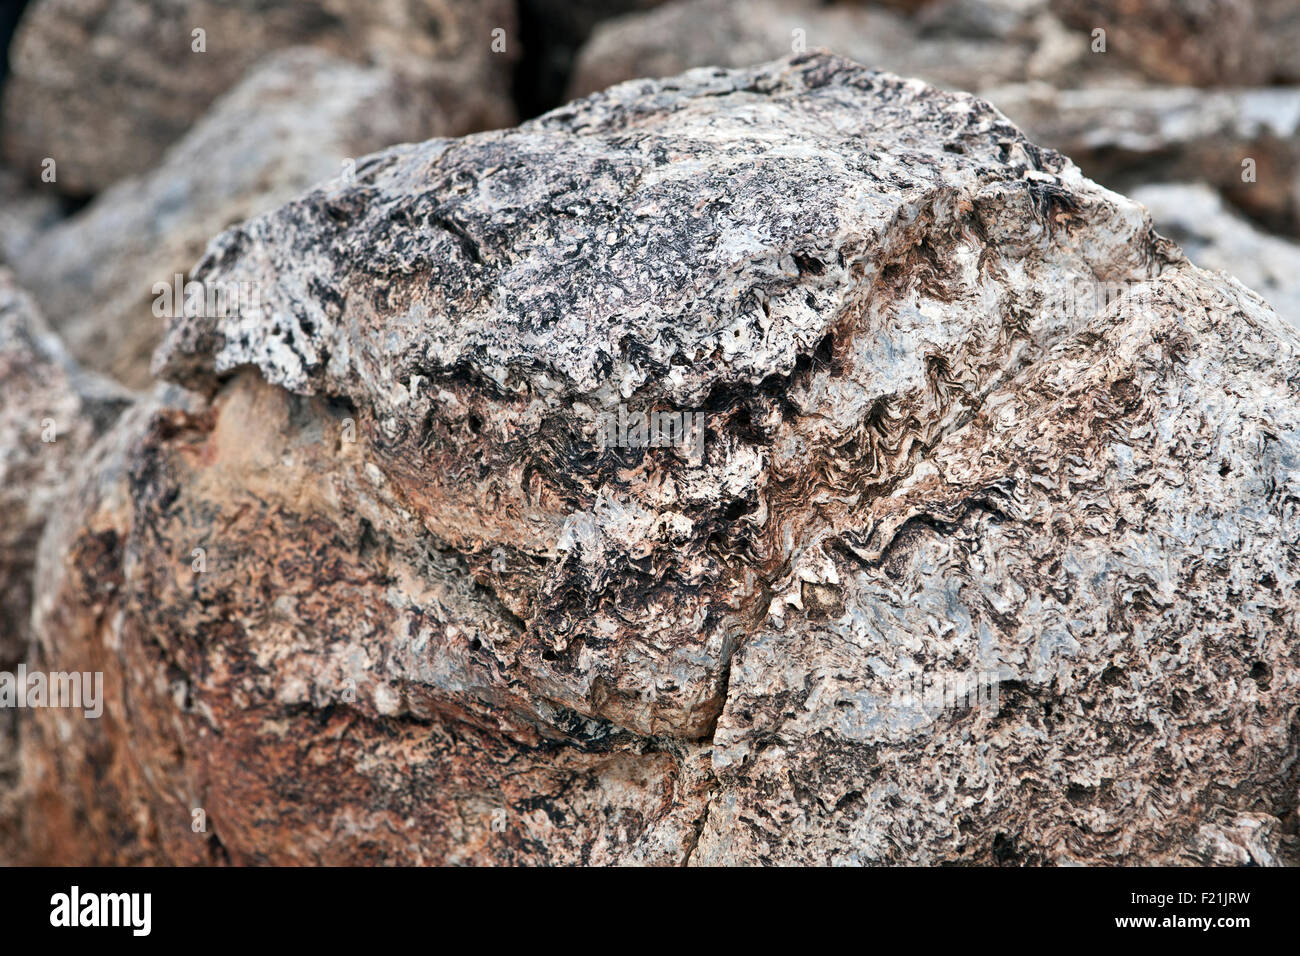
x: 1184, y: 42
x: 1213, y: 237
x: 1279, y: 31
x: 1112, y: 538
x: 329, y: 648
x: 24, y: 214
x: 298, y: 118
x: 50, y: 413
x: 105, y: 86
x: 401, y: 579
x: 1097, y: 108
x: 1176, y: 134
x: 958, y: 45
x: 964, y: 44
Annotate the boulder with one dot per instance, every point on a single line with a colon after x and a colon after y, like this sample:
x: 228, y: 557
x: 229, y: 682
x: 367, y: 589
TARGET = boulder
x: 1184, y: 42
x: 50, y: 413
x: 595, y: 491
x: 1215, y: 237
x: 1047, y: 634
x: 1244, y: 142
x: 1129, y: 115
x: 960, y: 45
x: 25, y: 213
x: 103, y: 87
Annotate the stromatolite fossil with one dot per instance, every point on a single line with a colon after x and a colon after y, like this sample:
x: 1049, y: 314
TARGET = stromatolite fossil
x: 380, y: 587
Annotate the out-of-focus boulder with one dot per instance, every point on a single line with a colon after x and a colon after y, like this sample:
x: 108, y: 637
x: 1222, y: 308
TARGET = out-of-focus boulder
x: 50, y: 414
x: 103, y: 87
x: 1245, y: 143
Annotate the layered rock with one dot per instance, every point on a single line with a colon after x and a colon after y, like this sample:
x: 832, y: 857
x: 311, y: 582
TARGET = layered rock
x: 105, y: 86
x: 300, y: 117
x: 1111, y: 538
x: 397, y: 581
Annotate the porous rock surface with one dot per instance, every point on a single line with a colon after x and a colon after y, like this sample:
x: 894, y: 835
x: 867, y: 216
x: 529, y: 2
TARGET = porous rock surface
x: 964, y: 411
x: 103, y: 87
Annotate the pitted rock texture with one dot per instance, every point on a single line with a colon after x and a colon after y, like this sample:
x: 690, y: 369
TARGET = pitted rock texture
x: 374, y: 589
x: 648, y: 245
x: 299, y: 117
x: 1113, y: 535
x: 103, y: 87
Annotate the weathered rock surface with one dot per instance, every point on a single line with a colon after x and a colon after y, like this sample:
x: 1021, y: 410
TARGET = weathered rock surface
x: 105, y: 86
x: 1214, y: 237
x: 963, y: 409
x: 50, y: 413
x: 1113, y: 535
x: 297, y: 118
